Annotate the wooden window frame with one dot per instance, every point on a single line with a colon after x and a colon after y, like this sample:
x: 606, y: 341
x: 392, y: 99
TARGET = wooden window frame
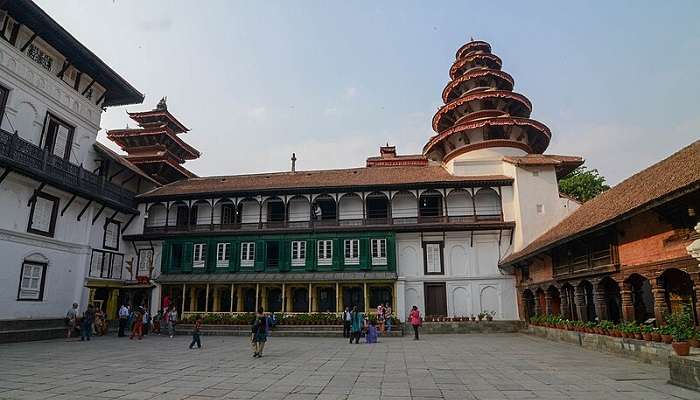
x: 355, y: 259
x: 4, y: 97
x: 298, y: 261
x: 104, y: 235
x: 379, y: 259
x: 324, y: 260
x: 441, y: 244
x: 201, y: 261
x: 42, y: 283
x: 54, y: 215
x: 246, y: 248
x: 69, y: 139
x: 223, y: 263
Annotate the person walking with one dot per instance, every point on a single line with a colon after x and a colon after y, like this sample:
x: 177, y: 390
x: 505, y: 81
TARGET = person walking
x: 387, y: 317
x: 172, y: 320
x: 347, y: 321
x: 156, y: 321
x: 88, y: 320
x: 137, y: 327
x: 146, y: 320
x: 380, y: 317
x: 415, y: 320
x: 71, y: 320
x: 123, y: 319
x: 259, y: 332
x: 195, y: 333
x: 356, y: 322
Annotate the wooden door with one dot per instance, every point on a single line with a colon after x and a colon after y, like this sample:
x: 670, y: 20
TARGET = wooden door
x: 435, y: 299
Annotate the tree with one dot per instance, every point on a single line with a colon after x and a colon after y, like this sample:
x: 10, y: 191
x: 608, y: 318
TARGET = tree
x: 583, y: 184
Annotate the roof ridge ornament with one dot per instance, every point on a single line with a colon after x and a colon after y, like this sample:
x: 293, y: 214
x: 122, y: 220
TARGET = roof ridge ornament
x: 162, y: 104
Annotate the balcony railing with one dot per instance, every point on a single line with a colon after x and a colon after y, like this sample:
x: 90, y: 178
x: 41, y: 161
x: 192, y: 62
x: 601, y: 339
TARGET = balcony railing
x: 325, y: 223
x: 27, y: 158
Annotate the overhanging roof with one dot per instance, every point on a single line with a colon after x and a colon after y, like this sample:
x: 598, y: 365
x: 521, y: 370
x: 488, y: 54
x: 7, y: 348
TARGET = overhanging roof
x: 267, y: 277
x: 119, y: 91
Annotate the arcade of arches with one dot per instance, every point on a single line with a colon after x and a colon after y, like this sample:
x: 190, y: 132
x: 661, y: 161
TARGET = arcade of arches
x: 635, y: 297
x: 279, y: 297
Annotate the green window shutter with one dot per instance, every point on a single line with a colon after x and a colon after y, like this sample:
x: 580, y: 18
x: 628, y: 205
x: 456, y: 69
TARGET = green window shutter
x: 210, y: 259
x: 311, y: 255
x: 365, y: 259
x: 165, y: 261
x: 338, y: 254
x: 187, y: 257
x: 235, y: 256
x: 260, y: 255
x: 391, y: 253
x: 285, y: 262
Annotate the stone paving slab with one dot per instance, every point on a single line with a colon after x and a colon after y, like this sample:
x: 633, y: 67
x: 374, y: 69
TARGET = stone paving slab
x: 452, y: 367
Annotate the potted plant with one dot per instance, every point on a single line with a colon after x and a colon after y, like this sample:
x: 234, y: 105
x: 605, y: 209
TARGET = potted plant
x: 655, y: 335
x: 694, y: 340
x: 681, y: 328
x: 666, y: 335
x: 646, y: 332
x: 481, y: 315
x: 489, y: 315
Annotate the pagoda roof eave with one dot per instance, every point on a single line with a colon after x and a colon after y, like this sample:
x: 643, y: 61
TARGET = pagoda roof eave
x: 119, y: 136
x: 142, y: 115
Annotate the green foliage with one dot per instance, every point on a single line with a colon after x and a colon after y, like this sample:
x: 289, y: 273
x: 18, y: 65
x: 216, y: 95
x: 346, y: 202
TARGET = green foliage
x: 680, y: 325
x: 583, y: 184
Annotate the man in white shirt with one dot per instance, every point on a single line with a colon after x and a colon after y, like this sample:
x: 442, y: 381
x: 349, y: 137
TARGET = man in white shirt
x: 71, y: 319
x: 347, y: 321
x: 123, y: 318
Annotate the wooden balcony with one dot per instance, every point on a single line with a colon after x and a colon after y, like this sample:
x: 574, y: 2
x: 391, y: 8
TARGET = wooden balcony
x: 472, y: 222
x: 28, y: 159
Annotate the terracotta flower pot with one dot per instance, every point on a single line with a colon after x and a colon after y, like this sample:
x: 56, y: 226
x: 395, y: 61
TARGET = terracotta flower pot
x: 668, y: 339
x: 681, y: 348
x: 655, y: 337
x: 694, y: 342
x: 638, y: 336
x: 647, y: 336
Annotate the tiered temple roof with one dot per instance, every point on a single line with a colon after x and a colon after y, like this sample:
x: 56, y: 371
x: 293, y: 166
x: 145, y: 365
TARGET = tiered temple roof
x: 481, y: 110
x: 155, y: 146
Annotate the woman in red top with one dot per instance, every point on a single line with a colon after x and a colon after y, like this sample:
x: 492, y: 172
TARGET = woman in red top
x: 415, y: 320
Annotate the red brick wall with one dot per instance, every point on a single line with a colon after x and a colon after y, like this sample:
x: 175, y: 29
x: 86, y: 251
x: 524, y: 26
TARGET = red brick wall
x: 646, y: 238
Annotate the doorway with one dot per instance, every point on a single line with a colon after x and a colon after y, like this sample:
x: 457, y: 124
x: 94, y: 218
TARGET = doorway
x: 435, y: 299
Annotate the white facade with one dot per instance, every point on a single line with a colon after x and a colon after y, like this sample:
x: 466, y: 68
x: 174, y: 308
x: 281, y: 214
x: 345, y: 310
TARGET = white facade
x: 473, y: 281
x: 62, y: 257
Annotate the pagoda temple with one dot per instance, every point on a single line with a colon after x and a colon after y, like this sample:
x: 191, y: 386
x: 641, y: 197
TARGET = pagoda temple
x: 481, y: 110
x: 155, y: 146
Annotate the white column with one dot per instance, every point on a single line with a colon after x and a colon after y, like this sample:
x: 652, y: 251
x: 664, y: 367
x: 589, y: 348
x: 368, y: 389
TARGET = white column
x: 400, y: 306
x: 231, y: 302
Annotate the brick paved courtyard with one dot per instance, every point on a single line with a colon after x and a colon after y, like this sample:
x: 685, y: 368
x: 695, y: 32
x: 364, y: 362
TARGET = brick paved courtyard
x: 508, y: 366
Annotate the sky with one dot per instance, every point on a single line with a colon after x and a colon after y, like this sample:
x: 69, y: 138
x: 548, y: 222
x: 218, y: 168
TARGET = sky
x: 616, y: 82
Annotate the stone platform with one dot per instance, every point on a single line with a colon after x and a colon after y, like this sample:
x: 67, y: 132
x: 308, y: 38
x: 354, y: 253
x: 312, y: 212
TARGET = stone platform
x: 31, y: 329
x: 481, y: 327
x: 279, y: 330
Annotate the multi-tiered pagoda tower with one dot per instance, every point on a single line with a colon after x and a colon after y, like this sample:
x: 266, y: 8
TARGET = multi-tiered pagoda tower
x: 155, y: 146
x: 481, y: 110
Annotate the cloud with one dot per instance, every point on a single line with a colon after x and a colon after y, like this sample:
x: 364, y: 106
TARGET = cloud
x: 350, y: 92
x: 257, y: 112
x: 331, y: 111
x: 161, y: 24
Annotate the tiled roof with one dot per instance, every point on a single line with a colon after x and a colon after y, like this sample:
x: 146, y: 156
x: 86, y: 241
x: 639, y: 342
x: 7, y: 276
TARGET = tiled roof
x: 323, y: 179
x: 123, y: 161
x: 679, y: 172
x: 563, y: 164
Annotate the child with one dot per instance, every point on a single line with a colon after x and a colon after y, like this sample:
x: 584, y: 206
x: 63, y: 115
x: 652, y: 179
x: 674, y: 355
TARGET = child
x: 195, y: 333
x: 371, y: 333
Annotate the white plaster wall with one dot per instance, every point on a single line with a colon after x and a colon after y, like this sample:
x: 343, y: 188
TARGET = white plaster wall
x: 250, y: 212
x: 350, y: 207
x: 298, y: 210
x: 404, y: 205
x: 473, y: 279
x: 482, y: 162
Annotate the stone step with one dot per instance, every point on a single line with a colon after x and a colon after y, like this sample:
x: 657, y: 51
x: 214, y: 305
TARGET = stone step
x: 279, y: 330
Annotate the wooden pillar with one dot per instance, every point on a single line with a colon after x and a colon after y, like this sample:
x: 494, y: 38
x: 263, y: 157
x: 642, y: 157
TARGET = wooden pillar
x: 627, y: 304
x: 660, y: 307
x: 206, y: 299
x: 284, y: 297
x: 216, y: 307
x: 696, y: 288
x: 364, y: 285
x: 239, y: 299
x: 257, y: 296
x: 231, y: 302
x: 580, y: 302
x: 193, y: 299
x: 263, y: 297
x: 184, y: 291
x: 565, y: 306
x: 310, y: 298
x: 337, y: 298
x: 600, y: 303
